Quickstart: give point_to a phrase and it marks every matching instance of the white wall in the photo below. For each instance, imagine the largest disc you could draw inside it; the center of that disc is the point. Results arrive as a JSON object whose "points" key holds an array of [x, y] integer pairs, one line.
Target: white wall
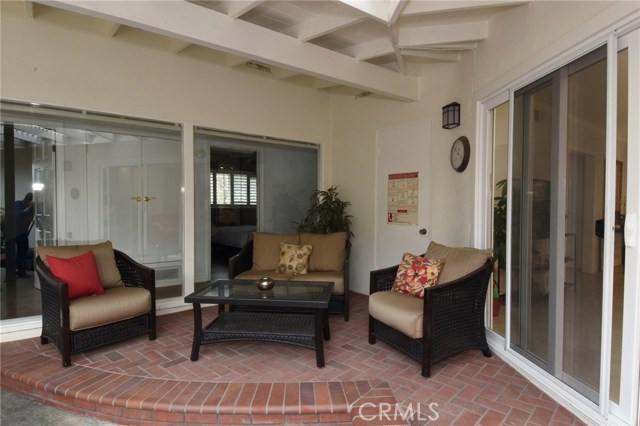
{"points": [[354, 125], [80, 67], [55, 60], [520, 39]]}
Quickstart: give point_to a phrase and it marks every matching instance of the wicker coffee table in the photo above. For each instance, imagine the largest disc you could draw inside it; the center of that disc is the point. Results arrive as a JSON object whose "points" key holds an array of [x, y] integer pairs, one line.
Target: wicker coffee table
{"points": [[291, 312]]}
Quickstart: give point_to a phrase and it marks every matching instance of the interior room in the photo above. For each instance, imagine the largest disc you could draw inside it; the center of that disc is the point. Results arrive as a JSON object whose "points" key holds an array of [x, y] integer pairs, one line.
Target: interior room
{"points": [[178, 129]]}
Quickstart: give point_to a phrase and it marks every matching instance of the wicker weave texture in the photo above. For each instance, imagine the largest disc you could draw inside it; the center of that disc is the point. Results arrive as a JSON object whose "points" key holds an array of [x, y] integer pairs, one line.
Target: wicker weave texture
{"points": [[339, 304], [262, 326], [55, 311], [453, 318]]}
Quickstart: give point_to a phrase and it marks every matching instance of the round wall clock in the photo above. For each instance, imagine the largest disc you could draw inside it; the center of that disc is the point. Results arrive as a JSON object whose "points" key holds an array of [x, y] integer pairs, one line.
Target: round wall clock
{"points": [[460, 153]]}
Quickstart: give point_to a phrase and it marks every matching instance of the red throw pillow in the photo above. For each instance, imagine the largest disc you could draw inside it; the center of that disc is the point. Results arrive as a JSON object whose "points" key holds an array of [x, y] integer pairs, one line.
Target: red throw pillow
{"points": [[80, 273], [415, 273]]}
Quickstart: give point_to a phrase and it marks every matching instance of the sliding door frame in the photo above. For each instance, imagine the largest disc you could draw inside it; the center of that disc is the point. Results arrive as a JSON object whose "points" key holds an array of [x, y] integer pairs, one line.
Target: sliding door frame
{"points": [[605, 411]]}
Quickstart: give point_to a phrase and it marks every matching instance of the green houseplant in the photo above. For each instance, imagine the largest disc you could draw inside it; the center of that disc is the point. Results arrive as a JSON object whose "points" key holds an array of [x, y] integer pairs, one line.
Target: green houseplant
{"points": [[499, 240], [326, 214]]}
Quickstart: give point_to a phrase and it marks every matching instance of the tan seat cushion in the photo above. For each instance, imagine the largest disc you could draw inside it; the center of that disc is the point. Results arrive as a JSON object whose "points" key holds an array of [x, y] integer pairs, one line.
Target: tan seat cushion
{"points": [[402, 312], [329, 250], [254, 275], [266, 249], [337, 278], [116, 304], [460, 261], [105, 260]]}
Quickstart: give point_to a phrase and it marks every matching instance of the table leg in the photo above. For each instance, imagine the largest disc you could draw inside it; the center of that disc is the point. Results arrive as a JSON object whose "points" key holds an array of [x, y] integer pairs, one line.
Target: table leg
{"points": [[327, 331], [319, 337], [197, 331]]}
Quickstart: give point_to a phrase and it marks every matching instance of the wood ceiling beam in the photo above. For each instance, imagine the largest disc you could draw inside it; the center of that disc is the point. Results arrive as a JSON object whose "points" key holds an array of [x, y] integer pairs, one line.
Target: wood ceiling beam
{"points": [[237, 8], [205, 27], [111, 28], [325, 24], [443, 34], [385, 11], [426, 7], [371, 49], [432, 55]]}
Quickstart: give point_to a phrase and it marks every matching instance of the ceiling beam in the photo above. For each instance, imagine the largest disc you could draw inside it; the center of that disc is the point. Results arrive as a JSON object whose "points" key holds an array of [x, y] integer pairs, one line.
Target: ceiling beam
{"points": [[111, 28], [237, 8], [370, 49], [28, 9], [205, 27], [386, 11], [325, 24], [426, 7], [432, 55], [443, 34]]}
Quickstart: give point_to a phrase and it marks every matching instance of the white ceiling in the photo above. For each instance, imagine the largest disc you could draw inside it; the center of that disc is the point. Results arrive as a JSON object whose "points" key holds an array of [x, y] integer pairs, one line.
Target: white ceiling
{"points": [[370, 46]]}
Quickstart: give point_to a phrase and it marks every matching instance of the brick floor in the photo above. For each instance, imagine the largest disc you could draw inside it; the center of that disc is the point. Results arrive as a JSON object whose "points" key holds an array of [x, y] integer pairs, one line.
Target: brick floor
{"points": [[154, 382]]}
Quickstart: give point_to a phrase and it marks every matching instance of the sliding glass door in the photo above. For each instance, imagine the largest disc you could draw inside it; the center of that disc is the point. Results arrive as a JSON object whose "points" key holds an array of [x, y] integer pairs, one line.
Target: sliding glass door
{"points": [[573, 184]]}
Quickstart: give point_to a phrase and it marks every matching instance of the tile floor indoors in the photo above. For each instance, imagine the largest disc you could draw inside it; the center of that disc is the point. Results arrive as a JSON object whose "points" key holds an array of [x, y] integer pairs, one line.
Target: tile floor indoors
{"points": [[155, 383]]}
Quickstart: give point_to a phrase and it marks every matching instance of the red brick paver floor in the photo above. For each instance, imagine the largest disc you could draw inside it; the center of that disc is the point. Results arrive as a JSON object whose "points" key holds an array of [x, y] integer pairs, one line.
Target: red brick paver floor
{"points": [[154, 382]]}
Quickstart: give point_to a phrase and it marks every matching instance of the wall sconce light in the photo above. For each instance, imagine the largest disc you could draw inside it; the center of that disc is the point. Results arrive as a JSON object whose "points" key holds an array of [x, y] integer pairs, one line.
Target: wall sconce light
{"points": [[37, 186], [451, 115]]}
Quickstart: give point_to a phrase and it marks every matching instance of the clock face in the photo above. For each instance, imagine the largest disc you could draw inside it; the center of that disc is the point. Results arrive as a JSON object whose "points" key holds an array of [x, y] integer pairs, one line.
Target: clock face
{"points": [[460, 152]]}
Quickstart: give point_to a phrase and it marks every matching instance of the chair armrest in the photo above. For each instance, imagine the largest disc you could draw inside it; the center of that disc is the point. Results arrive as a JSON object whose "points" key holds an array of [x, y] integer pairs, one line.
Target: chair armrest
{"points": [[243, 261], [135, 274], [54, 294], [458, 303], [382, 279]]}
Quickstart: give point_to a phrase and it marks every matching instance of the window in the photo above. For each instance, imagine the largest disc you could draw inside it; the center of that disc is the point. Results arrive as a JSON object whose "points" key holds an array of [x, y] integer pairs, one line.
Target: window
{"points": [[243, 191]]}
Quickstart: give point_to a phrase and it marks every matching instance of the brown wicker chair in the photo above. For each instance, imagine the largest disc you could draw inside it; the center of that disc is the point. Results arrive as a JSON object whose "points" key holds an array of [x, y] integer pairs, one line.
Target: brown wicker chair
{"points": [[452, 316], [56, 314]]}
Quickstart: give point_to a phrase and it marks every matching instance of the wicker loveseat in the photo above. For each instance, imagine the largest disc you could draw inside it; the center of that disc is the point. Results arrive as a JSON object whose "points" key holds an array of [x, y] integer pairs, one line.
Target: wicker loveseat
{"points": [[329, 261], [126, 309], [450, 318]]}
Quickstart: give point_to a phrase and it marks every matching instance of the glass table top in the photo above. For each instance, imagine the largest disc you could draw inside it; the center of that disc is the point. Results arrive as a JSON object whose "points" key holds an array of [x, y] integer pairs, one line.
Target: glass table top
{"points": [[284, 293]]}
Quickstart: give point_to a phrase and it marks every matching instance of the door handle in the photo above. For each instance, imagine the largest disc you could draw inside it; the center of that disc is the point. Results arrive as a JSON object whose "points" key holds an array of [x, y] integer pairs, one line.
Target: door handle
{"points": [[423, 231], [148, 198], [137, 198]]}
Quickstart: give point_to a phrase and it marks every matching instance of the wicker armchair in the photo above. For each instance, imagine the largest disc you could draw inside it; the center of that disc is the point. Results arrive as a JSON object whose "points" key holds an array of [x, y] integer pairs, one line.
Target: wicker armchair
{"points": [[449, 320], [58, 319]]}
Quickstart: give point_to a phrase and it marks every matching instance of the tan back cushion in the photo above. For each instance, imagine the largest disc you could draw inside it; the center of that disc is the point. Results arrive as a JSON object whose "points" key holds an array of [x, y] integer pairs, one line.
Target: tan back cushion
{"points": [[328, 250], [105, 260], [266, 249], [459, 260]]}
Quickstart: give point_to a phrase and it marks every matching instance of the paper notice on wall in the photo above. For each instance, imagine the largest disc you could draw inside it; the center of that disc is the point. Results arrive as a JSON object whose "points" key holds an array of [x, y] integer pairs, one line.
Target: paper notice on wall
{"points": [[402, 198]]}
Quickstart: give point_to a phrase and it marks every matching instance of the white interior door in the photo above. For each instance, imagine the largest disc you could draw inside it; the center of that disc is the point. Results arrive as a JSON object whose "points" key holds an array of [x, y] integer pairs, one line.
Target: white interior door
{"points": [[401, 152]]}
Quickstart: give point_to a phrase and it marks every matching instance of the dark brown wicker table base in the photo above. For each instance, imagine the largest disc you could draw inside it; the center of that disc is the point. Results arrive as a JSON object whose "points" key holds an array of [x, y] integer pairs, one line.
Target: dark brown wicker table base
{"points": [[293, 312], [294, 329]]}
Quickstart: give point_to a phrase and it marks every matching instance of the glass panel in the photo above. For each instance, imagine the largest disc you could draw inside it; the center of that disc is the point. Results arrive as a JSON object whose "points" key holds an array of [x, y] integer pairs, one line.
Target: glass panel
{"points": [[500, 131], [586, 143], [258, 185], [531, 233], [621, 211], [28, 217]]}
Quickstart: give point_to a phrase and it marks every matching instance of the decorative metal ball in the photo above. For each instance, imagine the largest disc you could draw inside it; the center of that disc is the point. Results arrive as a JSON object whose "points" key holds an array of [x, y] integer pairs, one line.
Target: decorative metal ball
{"points": [[264, 283]]}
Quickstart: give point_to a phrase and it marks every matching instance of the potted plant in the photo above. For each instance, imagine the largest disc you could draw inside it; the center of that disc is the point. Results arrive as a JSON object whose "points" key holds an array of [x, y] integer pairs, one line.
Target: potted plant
{"points": [[499, 241], [327, 214]]}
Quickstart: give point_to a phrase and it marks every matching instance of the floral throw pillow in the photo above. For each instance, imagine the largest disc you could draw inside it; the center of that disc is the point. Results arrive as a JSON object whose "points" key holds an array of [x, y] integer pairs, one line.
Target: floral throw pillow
{"points": [[416, 273], [294, 259]]}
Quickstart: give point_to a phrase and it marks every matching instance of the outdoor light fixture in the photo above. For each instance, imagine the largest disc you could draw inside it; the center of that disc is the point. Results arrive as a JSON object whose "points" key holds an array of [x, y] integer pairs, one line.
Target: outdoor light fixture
{"points": [[451, 115]]}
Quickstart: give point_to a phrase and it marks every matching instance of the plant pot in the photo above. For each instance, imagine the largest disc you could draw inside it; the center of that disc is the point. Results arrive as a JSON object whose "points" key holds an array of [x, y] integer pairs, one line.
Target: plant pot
{"points": [[496, 306]]}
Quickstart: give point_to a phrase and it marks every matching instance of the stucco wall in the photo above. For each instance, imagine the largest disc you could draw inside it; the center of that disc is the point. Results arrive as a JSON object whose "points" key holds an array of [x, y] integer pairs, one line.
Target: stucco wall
{"points": [[520, 39], [57, 60]]}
